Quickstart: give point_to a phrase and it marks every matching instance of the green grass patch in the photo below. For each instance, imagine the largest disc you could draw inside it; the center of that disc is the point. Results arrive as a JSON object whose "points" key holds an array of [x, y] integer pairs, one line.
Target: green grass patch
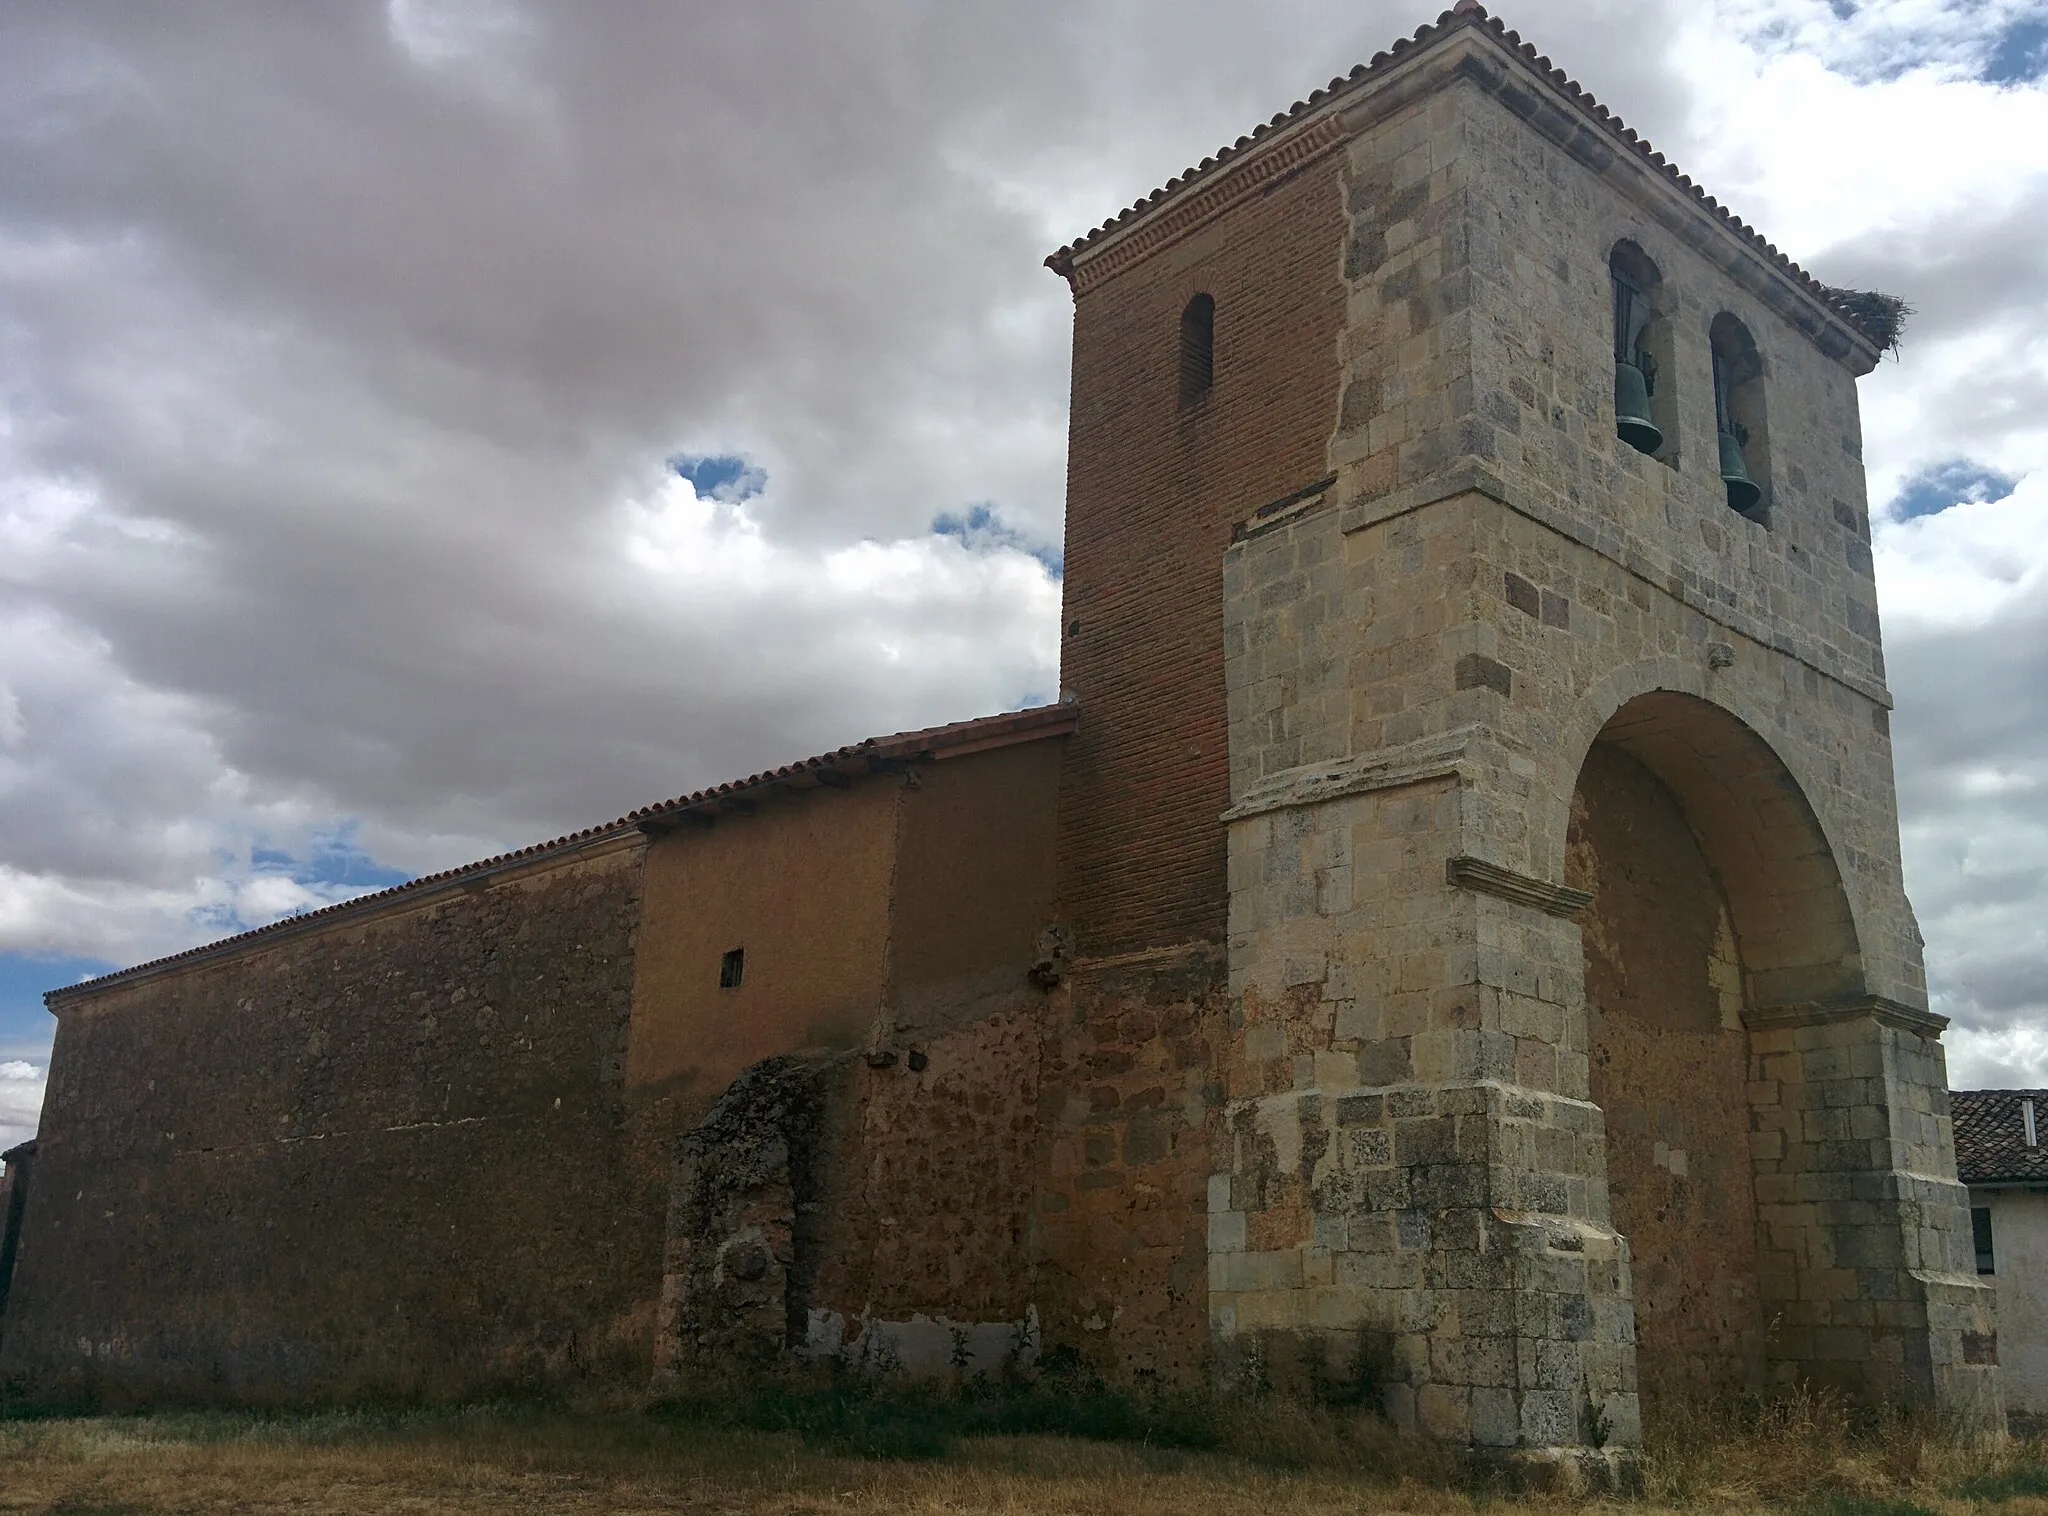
{"points": [[870, 1419], [2006, 1484]]}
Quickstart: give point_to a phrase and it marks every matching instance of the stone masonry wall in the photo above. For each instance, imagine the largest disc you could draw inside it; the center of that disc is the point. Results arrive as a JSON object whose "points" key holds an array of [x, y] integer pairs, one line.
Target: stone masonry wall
{"points": [[1866, 1238], [1128, 1095], [1491, 579], [384, 1157], [1128, 1114], [1542, 225], [1671, 1076]]}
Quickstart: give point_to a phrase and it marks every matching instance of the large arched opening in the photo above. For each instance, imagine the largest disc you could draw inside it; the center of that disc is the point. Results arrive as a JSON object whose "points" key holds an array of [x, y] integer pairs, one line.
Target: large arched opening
{"points": [[1715, 895]]}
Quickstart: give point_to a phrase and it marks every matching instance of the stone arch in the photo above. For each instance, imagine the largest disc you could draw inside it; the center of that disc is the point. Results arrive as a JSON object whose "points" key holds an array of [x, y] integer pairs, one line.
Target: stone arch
{"points": [[1715, 896], [1746, 801]]}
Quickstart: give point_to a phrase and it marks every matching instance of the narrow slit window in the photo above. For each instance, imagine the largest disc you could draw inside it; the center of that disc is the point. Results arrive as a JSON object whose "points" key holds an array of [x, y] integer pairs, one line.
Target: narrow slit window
{"points": [[1980, 1232], [732, 968], [1197, 349]]}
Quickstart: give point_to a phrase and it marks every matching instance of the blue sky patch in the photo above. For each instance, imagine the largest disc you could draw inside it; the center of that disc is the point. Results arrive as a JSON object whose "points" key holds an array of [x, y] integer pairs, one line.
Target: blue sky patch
{"points": [[1935, 489], [334, 865], [725, 477], [982, 529], [25, 1027], [2020, 55], [335, 859]]}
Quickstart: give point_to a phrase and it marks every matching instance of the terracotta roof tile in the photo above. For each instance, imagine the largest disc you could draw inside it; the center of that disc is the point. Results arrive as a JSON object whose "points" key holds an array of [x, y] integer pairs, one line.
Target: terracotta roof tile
{"points": [[952, 740], [1991, 1135], [1469, 13]]}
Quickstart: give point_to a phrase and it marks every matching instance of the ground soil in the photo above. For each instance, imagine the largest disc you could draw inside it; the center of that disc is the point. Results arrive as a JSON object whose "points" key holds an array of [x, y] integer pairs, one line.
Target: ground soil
{"points": [[493, 1460]]}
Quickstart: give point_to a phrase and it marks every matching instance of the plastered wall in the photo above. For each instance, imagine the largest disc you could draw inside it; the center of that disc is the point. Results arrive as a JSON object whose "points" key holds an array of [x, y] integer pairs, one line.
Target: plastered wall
{"points": [[2019, 1230], [804, 885]]}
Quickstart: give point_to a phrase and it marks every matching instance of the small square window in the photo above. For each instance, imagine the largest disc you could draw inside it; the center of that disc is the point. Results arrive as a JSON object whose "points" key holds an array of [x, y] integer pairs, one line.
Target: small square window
{"points": [[731, 968]]}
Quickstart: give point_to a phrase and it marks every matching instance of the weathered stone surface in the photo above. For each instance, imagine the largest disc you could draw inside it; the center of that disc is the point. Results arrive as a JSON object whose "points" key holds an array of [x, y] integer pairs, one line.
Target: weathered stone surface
{"points": [[750, 1191], [385, 1159], [1588, 1124], [1478, 946]]}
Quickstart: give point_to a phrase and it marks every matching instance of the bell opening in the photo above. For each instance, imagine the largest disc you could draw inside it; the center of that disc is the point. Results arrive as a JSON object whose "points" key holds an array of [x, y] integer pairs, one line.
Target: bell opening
{"points": [[1739, 417]]}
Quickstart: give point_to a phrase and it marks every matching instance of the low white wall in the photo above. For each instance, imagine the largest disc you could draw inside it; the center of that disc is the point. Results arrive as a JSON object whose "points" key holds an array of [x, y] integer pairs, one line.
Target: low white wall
{"points": [[2019, 1240]]}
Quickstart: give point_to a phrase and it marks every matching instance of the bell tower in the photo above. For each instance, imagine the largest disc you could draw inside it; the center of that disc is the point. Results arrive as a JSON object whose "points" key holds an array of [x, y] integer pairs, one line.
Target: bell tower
{"points": [[1532, 905]]}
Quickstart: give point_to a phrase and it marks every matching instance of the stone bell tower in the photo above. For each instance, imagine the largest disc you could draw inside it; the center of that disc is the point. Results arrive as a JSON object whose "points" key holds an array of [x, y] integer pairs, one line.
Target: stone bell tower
{"points": [[1529, 803]]}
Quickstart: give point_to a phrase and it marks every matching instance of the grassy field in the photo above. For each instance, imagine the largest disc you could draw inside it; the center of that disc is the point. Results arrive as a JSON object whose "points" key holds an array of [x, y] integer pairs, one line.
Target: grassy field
{"points": [[907, 1456]]}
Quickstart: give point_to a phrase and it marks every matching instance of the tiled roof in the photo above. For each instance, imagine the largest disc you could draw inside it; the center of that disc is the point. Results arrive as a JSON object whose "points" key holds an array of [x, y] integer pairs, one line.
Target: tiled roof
{"points": [[1469, 13], [1991, 1135], [835, 769]]}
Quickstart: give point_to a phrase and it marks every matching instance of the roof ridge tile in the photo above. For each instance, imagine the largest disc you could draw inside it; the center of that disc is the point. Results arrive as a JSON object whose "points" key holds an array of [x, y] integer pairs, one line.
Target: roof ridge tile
{"points": [[1471, 13]]}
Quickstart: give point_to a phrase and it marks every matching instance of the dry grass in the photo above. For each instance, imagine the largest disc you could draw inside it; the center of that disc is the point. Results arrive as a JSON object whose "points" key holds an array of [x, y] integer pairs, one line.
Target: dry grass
{"points": [[1805, 1456]]}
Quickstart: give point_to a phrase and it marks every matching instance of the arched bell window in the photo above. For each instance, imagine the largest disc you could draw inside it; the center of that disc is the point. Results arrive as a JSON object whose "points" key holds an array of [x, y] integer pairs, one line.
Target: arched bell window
{"points": [[1645, 412], [1197, 349], [1741, 430]]}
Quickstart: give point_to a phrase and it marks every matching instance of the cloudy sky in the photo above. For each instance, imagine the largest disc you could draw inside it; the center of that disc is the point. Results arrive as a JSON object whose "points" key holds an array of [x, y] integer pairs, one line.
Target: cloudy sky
{"points": [[429, 426]]}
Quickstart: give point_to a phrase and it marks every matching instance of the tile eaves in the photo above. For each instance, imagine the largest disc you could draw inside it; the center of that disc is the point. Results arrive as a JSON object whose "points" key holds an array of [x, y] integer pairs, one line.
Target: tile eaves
{"points": [[1469, 13], [1990, 1132], [870, 755]]}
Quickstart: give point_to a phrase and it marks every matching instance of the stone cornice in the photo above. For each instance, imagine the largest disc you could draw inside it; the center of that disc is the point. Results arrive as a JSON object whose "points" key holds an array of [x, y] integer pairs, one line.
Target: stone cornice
{"points": [[1281, 157], [1483, 878], [1438, 757], [1892, 1013]]}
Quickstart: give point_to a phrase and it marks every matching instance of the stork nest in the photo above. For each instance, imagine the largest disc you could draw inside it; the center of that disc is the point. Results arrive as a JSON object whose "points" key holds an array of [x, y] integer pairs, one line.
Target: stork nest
{"points": [[1881, 317]]}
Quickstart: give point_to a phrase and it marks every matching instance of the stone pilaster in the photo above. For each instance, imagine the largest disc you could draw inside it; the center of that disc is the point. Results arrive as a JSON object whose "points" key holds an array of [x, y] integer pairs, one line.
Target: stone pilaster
{"points": [[1868, 1267]]}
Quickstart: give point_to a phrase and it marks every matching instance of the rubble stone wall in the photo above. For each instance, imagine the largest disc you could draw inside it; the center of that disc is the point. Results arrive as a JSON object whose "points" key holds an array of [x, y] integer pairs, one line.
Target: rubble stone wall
{"points": [[384, 1157]]}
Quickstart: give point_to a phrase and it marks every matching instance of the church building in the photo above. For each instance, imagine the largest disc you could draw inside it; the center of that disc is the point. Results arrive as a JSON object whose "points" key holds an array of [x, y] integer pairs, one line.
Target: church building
{"points": [[1453, 915]]}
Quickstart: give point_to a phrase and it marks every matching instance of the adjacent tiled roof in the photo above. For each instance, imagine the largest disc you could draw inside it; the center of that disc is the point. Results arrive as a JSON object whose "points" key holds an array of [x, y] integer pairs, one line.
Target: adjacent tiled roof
{"points": [[836, 767], [1471, 13], [1991, 1135]]}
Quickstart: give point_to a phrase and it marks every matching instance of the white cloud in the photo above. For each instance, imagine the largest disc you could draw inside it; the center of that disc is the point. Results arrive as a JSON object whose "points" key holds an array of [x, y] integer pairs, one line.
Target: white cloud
{"points": [[346, 347], [21, 1100]]}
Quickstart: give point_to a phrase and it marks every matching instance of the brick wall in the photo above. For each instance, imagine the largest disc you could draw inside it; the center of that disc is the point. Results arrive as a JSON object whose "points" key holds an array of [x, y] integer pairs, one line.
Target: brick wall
{"points": [[1153, 490]]}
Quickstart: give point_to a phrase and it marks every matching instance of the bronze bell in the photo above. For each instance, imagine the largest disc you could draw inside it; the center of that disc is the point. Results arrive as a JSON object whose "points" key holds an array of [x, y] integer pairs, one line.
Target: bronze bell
{"points": [[1632, 421], [1742, 490]]}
